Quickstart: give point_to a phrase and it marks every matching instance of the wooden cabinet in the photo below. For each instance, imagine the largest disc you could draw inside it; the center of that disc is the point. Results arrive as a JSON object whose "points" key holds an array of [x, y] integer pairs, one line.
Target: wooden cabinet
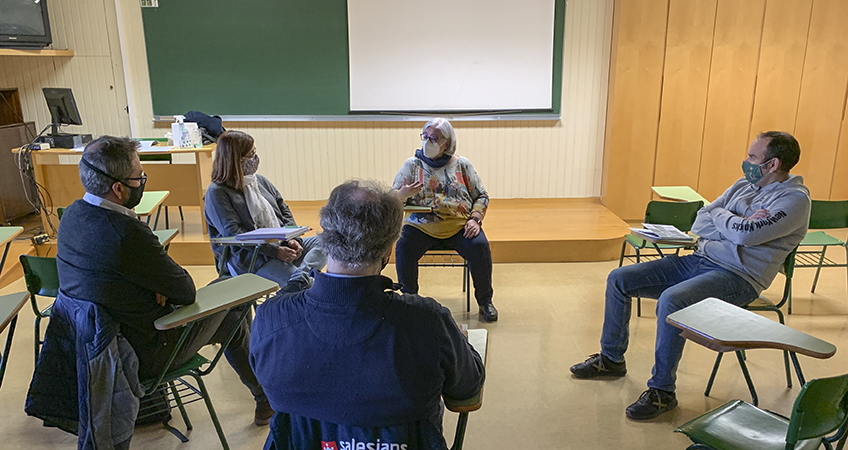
{"points": [[13, 196]]}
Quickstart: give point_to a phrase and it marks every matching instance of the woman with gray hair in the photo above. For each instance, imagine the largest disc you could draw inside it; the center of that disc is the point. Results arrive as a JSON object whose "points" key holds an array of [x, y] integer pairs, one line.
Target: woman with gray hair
{"points": [[448, 184]]}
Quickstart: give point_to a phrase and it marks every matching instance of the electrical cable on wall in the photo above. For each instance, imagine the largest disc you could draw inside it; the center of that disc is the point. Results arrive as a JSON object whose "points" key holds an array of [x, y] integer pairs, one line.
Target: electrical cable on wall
{"points": [[42, 201]]}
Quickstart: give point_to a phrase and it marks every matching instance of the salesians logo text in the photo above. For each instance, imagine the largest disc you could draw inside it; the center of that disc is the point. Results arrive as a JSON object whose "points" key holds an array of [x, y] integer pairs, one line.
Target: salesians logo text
{"points": [[353, 444]]}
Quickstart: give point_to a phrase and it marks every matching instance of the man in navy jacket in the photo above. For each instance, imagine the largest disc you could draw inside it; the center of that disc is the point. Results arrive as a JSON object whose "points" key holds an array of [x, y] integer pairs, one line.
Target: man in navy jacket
{"points": [[107, 256], [349, 360]]}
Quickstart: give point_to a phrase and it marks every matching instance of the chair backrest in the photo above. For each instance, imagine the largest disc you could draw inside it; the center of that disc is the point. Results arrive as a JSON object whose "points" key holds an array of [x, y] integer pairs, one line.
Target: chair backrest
{"points": [[788, 269], [828, 214], [40, 275], [60, 211], [680, 214], [820, 409], [293, 431]]}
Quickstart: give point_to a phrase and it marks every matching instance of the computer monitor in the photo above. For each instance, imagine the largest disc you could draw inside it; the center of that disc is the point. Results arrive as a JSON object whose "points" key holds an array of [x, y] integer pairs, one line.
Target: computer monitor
{"points": [[63, 108]]}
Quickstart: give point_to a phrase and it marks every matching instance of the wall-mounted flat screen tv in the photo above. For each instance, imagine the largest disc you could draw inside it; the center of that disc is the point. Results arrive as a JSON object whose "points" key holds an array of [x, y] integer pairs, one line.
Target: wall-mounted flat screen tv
{"points": [[24, 24]]}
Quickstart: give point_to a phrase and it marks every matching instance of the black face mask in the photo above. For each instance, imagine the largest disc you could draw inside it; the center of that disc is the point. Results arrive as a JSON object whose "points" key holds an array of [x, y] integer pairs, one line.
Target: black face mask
{"points": [[136, 192], [135, 196]]}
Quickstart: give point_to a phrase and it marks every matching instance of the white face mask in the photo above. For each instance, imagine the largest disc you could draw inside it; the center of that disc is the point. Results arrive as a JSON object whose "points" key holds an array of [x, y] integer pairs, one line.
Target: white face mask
{"points": [[431, 150]]}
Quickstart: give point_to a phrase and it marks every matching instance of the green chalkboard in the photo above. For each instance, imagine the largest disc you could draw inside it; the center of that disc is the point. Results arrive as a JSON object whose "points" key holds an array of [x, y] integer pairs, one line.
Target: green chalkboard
{"points": [[261, 57]]}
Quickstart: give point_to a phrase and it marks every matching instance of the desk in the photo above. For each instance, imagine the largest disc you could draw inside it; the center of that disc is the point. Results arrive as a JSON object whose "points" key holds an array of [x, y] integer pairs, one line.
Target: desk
{"points": [[6, 236], [166, 236], [151, 201], [479, 339], [187, 183], [679, 193], [10, 305], [217, 297], [723, 327]]}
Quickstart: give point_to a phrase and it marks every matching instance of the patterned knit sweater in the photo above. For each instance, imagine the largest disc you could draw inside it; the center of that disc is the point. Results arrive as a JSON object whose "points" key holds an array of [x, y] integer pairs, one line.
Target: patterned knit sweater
{"points": [[453, 192]]}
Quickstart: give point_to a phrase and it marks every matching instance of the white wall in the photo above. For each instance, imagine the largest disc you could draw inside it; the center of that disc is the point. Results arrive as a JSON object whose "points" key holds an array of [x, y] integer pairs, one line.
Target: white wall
{"points": [[306, 160]]}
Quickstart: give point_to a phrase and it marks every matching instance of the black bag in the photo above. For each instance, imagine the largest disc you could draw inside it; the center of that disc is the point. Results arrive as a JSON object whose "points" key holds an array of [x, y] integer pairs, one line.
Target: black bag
{"points": [[210, 126]]}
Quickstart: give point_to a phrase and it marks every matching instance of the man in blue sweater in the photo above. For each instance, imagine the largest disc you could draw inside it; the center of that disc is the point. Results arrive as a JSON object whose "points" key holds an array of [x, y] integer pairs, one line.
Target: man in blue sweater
{"points": [[744, 238], [349, 360], [107, 256]]}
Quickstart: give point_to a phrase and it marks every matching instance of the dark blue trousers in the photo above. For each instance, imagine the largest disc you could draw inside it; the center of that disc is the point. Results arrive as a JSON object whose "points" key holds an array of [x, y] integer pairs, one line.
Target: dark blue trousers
{"points": [[413, 243]]}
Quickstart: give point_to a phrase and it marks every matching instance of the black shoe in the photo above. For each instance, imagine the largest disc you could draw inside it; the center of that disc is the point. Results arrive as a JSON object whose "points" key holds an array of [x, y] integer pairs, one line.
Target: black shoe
{"points": [[599, 366], [652, 403], [262, 414], [489, 313]]}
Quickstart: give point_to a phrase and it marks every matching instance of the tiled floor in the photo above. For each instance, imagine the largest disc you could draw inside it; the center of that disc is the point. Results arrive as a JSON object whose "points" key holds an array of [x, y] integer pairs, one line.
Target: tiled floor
{"points": [[550, 319]]}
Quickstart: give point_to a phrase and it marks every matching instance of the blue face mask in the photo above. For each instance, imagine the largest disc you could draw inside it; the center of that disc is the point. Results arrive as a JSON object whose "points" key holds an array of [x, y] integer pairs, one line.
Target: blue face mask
{"points": [[753, 172]]}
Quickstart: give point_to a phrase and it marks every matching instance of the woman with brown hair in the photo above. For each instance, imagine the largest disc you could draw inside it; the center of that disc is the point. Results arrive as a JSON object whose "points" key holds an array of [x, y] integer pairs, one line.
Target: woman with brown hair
{"points": [[240, 200]]}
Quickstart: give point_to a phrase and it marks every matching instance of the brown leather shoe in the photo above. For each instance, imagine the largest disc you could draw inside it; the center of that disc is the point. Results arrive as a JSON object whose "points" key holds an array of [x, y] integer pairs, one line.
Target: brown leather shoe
{"points": [[263, 413]]}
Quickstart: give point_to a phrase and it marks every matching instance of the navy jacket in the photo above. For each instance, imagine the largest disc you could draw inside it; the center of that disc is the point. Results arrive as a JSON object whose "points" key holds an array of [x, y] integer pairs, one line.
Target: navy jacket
{"points": [[349, 360], [114, 260], [86, 380]]}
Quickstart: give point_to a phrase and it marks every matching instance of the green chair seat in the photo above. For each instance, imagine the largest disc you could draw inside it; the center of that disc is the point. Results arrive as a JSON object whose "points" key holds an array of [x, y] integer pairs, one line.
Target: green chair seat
{"points": [[186, 369], [818, 417], [737, 425], [820, 238]]}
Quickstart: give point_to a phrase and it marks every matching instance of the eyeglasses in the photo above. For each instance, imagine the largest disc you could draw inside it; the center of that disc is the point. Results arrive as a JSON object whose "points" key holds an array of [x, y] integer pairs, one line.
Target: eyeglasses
{"points": [[142, 179], [431, 137]]}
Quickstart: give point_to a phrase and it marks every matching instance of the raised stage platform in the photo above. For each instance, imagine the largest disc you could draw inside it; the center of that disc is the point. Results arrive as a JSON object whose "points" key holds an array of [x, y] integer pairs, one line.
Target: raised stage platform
{"points": [[519, 230]]}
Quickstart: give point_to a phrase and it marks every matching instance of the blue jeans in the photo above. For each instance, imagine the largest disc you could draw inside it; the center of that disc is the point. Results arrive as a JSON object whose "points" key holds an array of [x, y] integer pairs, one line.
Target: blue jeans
{"points": [[413, 243], [282, 272], [676, 282]]}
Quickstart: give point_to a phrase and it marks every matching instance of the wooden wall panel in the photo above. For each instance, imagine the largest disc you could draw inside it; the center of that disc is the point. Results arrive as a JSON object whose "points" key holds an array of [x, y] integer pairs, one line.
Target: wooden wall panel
{"points": [[689, 42], [782, 52], [822, 95], [731, 94], [634, 109]]}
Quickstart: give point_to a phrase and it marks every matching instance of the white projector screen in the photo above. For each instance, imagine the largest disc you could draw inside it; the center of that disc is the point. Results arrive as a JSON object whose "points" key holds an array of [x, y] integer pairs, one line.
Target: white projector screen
{"points": [[450, 55]]}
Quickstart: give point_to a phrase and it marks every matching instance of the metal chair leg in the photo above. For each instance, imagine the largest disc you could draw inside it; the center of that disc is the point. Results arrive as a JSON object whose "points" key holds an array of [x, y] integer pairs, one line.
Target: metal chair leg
{"points": [[797, 368], [621, 258], [466, 286], [5, 356], [713, 375], [212, 413], [37, 337], [459, 437], [755, 400], [818, 269], [180, 405], [786, 369]]}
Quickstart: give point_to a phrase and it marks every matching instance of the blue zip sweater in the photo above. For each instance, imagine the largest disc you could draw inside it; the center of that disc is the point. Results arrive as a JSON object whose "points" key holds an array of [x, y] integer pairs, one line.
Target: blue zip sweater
{"points": [[349, 353]]}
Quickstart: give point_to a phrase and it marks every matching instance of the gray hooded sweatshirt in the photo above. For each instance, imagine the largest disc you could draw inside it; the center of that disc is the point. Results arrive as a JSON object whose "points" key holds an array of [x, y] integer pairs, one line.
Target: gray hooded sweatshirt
{"points": [[754, 249]]}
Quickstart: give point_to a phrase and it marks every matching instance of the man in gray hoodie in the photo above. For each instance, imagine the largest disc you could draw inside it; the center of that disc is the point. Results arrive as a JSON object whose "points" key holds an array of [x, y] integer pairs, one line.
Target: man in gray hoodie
{"points": [[744, 237]]}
